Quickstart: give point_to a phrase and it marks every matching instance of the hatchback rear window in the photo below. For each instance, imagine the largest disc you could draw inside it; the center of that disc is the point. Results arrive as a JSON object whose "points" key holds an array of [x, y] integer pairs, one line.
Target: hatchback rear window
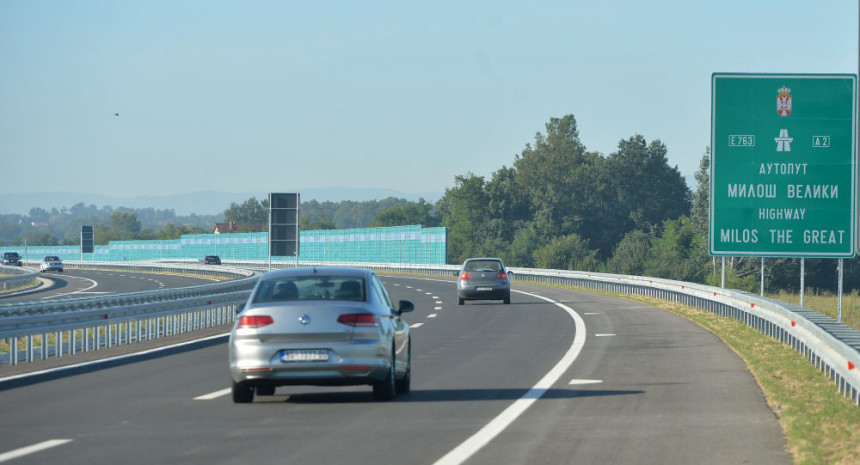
{"points": [[311, 288], [484, 265]]}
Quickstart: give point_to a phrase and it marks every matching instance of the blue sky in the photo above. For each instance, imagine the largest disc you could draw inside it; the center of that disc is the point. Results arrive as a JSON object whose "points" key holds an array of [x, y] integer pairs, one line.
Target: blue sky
{"points": [[282, 96]]}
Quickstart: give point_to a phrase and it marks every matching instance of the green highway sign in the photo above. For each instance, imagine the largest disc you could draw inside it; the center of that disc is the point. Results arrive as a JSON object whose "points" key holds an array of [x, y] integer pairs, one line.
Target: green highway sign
{"points": [[783, 165]]}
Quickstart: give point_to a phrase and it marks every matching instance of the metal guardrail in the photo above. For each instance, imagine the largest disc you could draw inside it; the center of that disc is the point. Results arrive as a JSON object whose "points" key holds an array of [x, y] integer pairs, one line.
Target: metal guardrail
{"points": [[68, 326], [831, 346], [19, 277]]}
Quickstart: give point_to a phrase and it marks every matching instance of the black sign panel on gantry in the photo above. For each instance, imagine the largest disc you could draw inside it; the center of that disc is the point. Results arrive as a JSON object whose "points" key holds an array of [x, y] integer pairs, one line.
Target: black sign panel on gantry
{"points": [[283, 225], [87, 239]]}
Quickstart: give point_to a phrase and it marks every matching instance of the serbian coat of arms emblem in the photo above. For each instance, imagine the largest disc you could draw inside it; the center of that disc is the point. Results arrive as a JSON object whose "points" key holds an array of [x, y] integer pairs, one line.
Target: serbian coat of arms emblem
{"points": [[783, 101]]}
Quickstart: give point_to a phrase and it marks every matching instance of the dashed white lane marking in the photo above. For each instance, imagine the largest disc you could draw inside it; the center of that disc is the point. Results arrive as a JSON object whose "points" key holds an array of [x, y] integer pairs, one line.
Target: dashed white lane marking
{"points": [[214, 395], [592, 313], [492, 429], [437, 308], [586, 381], [604, 335], [416, 325], [438, 301], [18, 453], [432, 315]]}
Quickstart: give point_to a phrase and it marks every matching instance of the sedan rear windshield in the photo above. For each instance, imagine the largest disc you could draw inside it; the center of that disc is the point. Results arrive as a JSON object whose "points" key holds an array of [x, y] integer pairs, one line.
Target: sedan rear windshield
{"points": [[311, 288], [52, 259]]}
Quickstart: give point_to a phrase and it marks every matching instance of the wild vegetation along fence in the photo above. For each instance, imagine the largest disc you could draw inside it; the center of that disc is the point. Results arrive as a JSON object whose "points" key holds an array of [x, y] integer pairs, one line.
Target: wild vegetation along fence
{"points": [[829, 345]]}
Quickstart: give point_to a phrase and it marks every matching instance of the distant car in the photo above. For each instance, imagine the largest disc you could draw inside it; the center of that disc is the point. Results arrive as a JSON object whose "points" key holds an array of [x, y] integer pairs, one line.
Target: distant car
{"points": [[211, 260], [51, 263], [12, 259], [483, 279], [326, 326]]}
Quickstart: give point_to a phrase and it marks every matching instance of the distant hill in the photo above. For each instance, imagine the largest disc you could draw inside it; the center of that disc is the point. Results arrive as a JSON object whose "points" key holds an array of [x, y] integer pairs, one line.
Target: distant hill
{"points": [[201, 203]]}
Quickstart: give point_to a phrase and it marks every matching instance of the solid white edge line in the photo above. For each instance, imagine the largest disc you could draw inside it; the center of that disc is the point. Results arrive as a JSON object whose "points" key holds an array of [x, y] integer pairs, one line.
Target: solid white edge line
{"points": [[112, 359], [17, 453], [492, 429], [214, 395]]}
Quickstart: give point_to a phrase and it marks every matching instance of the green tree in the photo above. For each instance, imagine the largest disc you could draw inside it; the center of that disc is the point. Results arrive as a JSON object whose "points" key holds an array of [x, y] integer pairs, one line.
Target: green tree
{"points": [[676, 252], [554, 176], [569, 252], [463, 210], [320, 223], [124, 224], [701, 205], [248, 212], [409, 213], [648, 189], [632, 254]]}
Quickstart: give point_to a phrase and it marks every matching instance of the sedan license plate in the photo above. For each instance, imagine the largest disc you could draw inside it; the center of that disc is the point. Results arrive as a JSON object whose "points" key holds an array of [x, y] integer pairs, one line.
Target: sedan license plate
{"points": [[304, 355], [484, 288]]}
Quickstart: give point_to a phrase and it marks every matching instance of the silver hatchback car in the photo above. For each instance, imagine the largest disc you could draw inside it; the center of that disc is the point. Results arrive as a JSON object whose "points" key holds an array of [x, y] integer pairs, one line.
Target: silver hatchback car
{"points": [[483, 279], [331, 326]]}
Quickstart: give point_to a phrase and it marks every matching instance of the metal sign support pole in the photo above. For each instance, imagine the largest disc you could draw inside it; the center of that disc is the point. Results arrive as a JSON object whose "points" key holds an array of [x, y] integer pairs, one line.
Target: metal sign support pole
{"points": [[723, 273], [762, 277], [839, 305], [802, 276]]}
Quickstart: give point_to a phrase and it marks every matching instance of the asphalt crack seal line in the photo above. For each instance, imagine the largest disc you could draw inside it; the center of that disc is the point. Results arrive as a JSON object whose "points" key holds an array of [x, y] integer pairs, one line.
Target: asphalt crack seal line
{"points": [[492, 429]]}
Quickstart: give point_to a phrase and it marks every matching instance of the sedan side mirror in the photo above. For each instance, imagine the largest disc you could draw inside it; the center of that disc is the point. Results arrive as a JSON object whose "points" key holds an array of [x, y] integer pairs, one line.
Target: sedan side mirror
{"points": [[456, 273], [239, 308], [405, 306]]}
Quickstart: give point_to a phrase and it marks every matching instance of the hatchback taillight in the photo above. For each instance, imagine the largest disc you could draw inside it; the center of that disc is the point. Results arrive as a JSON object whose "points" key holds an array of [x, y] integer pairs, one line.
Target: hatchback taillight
{"points": [[502, 275], [465, 275], [366, 320], [255, 321]]}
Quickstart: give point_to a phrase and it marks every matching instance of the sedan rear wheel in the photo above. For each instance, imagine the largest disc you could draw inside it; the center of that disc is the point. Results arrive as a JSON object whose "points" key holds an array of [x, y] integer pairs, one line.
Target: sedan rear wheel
{"points": [[385, 390], [243, 393], [403, 386]]}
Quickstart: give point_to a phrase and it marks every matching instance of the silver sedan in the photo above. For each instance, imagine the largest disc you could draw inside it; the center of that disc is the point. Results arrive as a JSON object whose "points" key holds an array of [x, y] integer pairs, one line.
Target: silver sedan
{"points": [[330, 326]]}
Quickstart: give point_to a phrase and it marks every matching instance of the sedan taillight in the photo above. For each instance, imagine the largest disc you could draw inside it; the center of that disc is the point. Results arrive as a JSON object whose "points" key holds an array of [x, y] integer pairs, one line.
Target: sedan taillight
{"points": [[365, 320], [255, 321], [465, 275], [502, 275]]}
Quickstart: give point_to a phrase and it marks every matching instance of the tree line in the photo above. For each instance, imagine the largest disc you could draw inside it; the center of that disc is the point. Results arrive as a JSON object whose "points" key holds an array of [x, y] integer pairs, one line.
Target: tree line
{"points": [[560, 206], [557, 206]]}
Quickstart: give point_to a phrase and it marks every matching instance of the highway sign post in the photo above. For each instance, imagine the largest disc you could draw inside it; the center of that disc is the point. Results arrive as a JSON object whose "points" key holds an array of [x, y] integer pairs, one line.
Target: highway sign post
{"points": [[283, 226], [87, 240], [783, 165]]}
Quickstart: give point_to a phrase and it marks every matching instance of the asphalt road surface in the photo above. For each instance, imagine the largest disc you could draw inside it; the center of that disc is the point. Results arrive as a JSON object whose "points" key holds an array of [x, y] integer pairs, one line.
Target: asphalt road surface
{"points": [[556, 377], [74, 283]]}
